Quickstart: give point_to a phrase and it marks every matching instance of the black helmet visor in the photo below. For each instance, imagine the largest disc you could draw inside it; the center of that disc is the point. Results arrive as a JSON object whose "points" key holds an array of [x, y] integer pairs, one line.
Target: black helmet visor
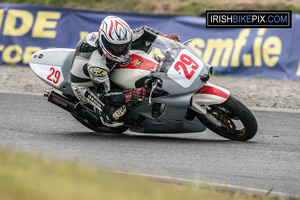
{"points": [[116, 49]]}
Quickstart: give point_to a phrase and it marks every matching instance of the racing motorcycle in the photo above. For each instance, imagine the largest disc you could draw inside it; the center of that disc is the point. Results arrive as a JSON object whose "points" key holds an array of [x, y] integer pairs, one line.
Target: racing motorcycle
{"points": [[181, 99]]}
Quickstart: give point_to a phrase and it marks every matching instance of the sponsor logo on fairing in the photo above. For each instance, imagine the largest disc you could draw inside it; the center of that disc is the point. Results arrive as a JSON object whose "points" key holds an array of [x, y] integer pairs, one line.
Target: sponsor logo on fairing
{"points": [[138, 63]]}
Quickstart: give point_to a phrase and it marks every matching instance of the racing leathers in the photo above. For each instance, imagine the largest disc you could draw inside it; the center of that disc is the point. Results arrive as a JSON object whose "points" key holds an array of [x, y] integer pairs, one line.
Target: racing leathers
{"points": [[90, 70]]}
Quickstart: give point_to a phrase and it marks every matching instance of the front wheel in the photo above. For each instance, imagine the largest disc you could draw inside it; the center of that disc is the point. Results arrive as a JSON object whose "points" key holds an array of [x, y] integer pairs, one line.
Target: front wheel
{"points": [[231, 119]]}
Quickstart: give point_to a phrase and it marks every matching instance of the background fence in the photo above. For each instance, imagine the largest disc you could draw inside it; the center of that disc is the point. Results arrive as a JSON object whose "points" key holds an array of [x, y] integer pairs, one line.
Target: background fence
{"points": [[263, 53]]}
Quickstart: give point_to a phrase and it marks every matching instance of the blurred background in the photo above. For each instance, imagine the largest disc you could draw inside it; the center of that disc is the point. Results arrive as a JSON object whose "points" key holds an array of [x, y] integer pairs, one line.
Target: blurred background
{"points": [[28, 26], [176, 7]]}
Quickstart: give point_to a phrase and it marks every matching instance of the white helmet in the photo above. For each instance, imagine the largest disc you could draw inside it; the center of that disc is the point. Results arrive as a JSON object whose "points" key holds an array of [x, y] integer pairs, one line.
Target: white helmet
{"points": [[115, 38]]}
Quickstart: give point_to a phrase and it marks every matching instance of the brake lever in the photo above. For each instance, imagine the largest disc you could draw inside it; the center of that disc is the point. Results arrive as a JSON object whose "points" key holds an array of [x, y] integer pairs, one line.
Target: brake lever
{"points": [[154, 86]]}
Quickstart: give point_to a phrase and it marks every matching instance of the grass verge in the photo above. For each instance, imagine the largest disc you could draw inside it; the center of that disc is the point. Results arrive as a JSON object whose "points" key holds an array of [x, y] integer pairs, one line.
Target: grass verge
{"points": [[24, 177], [176, 7]]}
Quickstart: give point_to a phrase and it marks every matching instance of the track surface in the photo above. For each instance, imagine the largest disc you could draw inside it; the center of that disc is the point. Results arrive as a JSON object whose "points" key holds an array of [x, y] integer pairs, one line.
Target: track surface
{"points": [[272, 158]]}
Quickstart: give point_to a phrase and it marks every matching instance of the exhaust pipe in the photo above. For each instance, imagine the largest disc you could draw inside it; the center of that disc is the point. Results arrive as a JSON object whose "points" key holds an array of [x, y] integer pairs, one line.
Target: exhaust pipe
{"points": [[76, 110], [60, 101]]}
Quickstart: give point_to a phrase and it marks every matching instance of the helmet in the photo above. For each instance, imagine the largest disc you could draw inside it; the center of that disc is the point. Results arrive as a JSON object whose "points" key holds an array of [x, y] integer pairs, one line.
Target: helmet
{"points": [[115, 38]]}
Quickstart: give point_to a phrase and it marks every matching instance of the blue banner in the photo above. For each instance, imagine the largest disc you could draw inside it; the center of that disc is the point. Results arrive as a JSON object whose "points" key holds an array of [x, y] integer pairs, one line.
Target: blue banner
{"points": [[249, 52]]}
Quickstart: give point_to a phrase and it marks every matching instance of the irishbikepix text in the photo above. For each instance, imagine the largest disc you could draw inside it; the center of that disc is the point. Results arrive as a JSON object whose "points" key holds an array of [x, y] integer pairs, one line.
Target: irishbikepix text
{"points": [[248, 19]]}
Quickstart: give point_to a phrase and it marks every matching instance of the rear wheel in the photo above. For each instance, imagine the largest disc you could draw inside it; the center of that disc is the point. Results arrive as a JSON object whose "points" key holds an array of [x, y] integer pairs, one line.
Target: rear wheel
{"points": [[231, 119]]}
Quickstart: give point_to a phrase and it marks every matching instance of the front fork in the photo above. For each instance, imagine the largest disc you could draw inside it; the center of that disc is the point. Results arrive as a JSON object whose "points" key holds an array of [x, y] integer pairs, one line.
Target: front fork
{"points": [[209, 94]]}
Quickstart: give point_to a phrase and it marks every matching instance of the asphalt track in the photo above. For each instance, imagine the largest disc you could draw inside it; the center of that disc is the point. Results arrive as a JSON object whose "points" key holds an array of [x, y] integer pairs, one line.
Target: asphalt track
{"points": [[270, 160]]}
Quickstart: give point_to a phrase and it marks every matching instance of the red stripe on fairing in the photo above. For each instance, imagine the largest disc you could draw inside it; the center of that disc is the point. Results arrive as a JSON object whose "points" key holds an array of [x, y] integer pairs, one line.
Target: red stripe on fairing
{"points": [[146, 64], [213, 91]]}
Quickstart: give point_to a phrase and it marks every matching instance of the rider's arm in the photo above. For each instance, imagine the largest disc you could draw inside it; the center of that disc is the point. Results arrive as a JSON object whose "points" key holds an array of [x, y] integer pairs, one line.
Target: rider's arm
{"points": [[99, 73], [145, 33], [150, 34], [144, 36]]}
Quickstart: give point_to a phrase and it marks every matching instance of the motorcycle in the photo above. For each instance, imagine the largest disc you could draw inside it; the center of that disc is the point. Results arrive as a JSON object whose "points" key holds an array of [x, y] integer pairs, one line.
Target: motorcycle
{"points": [[181, 98]]}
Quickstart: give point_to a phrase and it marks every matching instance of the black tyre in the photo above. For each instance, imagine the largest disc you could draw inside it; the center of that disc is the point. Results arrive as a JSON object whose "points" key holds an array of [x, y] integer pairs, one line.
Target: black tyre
{"points": [[233, 120]]}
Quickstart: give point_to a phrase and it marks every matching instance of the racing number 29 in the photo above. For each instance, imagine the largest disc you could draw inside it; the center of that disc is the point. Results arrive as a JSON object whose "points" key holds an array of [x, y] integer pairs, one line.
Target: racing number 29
{"points": [[54, 76], [185, 61]]}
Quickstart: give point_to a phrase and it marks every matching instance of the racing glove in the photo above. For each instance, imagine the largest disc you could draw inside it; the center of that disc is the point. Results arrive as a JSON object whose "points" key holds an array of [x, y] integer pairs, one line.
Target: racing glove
{"points": [[135, 94], [173, 36]]}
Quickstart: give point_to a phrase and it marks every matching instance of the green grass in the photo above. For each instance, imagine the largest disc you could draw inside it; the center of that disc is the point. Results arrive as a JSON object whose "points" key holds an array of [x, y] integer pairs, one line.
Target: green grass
{"points": [[177, 7], [24, 177]]}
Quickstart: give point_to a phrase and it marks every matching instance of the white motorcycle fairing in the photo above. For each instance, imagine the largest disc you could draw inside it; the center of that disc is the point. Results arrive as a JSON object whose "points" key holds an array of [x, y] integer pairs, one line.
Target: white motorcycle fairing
{"points": [[53, 67], [181, 100], [209, 94], [138, 65]]}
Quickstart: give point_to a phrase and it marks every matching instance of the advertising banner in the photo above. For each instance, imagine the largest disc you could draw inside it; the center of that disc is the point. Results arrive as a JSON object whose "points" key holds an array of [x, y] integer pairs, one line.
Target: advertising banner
{"points": [[246, 52]]}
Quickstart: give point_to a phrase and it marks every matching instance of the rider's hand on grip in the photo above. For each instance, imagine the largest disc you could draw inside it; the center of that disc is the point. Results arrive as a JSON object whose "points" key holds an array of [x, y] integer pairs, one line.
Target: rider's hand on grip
{"points": [[175, 37], [137, 94]]}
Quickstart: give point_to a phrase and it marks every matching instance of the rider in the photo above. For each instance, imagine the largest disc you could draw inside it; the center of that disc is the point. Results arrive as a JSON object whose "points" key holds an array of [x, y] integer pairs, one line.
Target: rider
{"points": [[96, 56]]}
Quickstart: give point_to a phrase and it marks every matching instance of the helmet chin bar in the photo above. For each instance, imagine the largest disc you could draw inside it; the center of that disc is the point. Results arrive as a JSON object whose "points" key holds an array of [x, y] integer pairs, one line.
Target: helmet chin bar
{"points": [[117, 59], [114, 58], [110, 55]]}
